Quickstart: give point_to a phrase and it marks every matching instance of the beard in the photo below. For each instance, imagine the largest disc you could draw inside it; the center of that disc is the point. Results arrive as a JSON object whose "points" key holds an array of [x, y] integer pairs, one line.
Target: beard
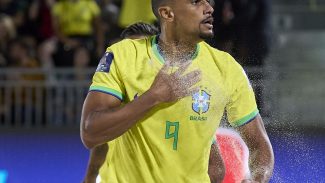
{"points": [[206, 35], [205, 32]]}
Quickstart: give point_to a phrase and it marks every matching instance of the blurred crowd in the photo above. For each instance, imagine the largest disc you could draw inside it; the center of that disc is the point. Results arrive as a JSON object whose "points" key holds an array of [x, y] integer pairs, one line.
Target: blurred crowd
{"points": [[75, 33], [63, 33], [49, 34]]}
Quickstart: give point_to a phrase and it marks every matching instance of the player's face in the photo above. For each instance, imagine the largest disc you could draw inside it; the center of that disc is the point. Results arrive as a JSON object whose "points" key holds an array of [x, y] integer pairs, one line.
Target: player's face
{"points": [[194, 17]]}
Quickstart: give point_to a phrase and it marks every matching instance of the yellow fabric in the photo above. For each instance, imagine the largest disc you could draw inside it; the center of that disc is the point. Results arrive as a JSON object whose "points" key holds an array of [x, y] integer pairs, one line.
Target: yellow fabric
{"points": [[104, 168], [172, 142], [131, 14], [75, 18]]}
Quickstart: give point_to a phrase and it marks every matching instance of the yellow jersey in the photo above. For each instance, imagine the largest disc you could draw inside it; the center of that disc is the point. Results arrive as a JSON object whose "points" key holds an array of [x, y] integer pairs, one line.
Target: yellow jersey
{"points": [[171, 143], [76, 18], [130, 14]]}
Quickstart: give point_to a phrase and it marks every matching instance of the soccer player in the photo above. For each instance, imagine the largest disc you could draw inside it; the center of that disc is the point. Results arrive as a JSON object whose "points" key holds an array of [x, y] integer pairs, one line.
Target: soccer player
{"points": [[98, 154], [159, 100]]}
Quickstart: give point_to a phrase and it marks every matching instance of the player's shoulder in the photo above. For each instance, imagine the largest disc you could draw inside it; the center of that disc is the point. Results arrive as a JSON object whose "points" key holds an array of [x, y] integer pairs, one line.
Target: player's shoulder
{"points": [[126, 51], [221, 58], [129, 45]]}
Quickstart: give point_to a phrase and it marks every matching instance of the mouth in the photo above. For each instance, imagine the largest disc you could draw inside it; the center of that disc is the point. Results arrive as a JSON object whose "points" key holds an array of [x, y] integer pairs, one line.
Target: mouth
{"points": [[208, 22]]}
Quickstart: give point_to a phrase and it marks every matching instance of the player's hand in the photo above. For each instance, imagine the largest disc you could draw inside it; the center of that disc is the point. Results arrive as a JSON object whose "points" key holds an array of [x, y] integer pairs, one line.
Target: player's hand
{"points": [[169, 87], [249, 181], [89, 180]]}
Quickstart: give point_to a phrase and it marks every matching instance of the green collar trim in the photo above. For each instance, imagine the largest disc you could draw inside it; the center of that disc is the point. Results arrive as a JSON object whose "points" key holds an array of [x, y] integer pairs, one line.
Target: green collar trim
{"points": [[158, 55], [155, 50]]}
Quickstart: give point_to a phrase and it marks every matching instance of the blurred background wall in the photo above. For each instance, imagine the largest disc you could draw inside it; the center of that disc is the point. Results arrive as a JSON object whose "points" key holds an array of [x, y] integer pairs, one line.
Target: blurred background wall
{"points": [[298, 55]]}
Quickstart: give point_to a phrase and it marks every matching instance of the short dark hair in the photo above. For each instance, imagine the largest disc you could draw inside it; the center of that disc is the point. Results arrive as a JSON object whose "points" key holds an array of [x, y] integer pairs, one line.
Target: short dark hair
{"points": [[139, 29], [155, 5]]}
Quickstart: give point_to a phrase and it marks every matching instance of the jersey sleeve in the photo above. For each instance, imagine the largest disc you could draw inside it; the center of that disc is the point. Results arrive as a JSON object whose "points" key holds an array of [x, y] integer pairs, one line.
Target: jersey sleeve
{"points": [[241, 108], [107, 78]]}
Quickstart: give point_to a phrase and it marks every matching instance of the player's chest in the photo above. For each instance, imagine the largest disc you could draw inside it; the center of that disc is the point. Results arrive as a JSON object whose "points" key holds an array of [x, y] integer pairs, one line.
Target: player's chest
{"points": [[212, 91]]}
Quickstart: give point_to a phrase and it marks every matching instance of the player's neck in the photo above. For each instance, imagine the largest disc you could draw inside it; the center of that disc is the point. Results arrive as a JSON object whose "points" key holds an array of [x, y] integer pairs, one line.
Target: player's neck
{"points": [[176, 49]]}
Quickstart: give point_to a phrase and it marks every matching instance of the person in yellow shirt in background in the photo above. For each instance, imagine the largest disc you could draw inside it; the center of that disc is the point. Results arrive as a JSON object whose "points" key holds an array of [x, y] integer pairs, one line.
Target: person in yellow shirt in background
{"points": [[76, 23], [136, 11], [119, 14]]}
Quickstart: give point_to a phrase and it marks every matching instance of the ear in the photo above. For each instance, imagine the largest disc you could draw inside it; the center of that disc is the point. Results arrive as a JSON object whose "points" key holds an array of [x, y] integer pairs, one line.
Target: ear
{"points": [[166, 13]]}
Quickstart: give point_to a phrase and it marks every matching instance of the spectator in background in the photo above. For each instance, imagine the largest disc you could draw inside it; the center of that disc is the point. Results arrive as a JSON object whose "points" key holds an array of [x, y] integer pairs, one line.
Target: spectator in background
{"points": [[242, 28], [41, 20], [40, 15], [130, 15], [24, 96], [81, 60], [119, 14], [19, 12], [7, 32], [76, 23], [16, 10], [20, 56], [243, 25], [110, 13]]}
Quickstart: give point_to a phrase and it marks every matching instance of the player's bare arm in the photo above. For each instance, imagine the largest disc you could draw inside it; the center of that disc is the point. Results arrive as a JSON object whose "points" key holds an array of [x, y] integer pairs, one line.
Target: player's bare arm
{"points": [[216, 169], [261, 160], [96, 160], [101, 121]]}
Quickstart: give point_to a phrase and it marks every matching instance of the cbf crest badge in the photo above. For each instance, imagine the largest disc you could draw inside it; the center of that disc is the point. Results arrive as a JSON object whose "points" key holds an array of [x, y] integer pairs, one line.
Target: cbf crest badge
{"points": [[105, 62], [201, 102]]}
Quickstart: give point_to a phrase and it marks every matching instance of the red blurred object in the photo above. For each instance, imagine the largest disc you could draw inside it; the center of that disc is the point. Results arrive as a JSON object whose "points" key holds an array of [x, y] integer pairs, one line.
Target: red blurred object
{"points": [[235, 155]]}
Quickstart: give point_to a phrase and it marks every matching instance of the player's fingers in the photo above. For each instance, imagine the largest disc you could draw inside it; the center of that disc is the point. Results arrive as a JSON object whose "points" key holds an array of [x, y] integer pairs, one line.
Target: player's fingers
{"points": [[182, 68], [195, 73], [192, 91], [191, 78], [166, 67]]}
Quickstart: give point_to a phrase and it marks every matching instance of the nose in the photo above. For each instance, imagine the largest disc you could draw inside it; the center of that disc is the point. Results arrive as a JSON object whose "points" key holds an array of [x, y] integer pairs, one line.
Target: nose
{"points": [[209, 9]]}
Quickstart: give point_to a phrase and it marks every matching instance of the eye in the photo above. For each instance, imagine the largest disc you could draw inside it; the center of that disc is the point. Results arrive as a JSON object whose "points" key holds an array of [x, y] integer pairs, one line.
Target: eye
{"points": [[194, 2]]}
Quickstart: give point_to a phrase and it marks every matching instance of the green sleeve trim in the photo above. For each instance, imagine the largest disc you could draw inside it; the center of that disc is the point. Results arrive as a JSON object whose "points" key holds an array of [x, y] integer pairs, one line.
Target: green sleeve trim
{"points": [[245, 119], [110, 91], [214, 141]]}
